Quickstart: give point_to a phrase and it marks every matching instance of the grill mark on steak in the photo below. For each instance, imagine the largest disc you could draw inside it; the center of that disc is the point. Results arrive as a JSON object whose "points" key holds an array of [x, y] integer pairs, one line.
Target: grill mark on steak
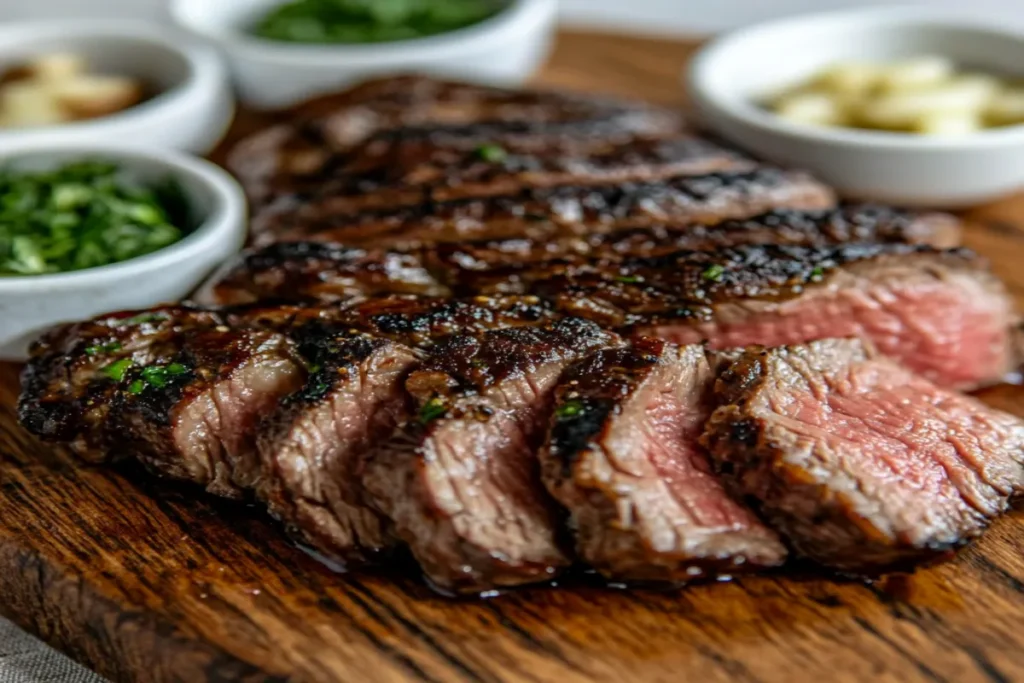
{"points": [[864, 466], [313, 271], [540, 213], [460, 481], [623, 457]]}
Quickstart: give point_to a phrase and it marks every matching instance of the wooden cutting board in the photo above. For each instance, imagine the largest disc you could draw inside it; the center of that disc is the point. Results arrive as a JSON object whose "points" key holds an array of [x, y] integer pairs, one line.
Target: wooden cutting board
{"points": [[149, 583]]}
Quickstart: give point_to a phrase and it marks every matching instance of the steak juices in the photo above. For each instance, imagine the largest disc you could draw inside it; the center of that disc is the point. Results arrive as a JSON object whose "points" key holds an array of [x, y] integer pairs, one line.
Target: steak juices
{"points": [[564, 387]]}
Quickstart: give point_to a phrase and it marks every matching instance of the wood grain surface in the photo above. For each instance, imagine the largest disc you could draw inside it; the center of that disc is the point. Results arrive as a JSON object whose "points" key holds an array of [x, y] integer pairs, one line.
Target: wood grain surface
{"points": [[149, 583]]}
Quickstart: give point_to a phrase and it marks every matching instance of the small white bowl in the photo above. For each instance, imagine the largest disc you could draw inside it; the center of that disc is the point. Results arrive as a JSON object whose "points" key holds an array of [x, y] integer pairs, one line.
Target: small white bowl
{"points": [[193, 106], [727, 78], [30, 304], [504, 49]]}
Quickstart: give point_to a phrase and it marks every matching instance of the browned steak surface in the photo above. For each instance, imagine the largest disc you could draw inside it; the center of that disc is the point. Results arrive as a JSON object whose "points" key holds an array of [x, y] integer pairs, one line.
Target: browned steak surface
{"points": [[545, 212], [460, 481], [393, 119], [623, 457], [864, 466], [312, 271]]}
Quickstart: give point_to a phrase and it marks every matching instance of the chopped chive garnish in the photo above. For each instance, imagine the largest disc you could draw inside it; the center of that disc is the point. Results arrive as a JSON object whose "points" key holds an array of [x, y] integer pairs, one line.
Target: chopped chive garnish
{"points": [[144, 318], [117, 370], [713, 273], [569, 409], [817, 273], [431, 410], [136, 387], [492, 154], [160, 376], [628, 279], [102, 348]]}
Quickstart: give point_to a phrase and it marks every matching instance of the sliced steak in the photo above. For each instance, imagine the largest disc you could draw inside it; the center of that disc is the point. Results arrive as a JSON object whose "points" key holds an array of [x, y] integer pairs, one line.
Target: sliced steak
{"points": [[941, 313], [69, 384], [541, 213], [311, 448], [864, 466], [192, 413], [623, 457], [461, 482]]}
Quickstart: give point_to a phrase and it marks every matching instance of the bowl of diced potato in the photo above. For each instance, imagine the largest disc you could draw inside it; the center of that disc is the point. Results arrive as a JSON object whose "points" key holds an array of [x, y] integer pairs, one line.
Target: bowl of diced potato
{"points": [[908, 105], [110, 82]]}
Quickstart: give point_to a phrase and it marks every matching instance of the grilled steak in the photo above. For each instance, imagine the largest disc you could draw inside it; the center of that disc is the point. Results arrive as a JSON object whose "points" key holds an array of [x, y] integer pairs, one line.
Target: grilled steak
{"points": [[541, 213], [864, 466], [460, 481], [312, 271], [68, 388], [397, 118], [623, 457]]}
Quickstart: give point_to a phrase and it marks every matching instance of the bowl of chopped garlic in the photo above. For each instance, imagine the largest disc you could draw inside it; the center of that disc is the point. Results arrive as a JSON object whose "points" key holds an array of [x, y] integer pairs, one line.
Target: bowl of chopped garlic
{"points": [[908, 105], [110, 81]]}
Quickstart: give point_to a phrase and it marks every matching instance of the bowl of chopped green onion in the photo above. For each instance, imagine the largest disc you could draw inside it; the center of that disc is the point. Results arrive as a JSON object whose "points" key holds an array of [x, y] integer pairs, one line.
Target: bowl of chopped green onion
{"points": [[285, 51], [86, 230]]}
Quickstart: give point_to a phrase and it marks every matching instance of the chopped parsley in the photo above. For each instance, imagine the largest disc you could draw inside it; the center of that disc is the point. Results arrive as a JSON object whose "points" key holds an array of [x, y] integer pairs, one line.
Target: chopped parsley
{"points": [[817, 273], [118, 369], [713, 273], [102, 348], [431, 410], [160, 376], [569, 409], [144, 318], [492, 154]]}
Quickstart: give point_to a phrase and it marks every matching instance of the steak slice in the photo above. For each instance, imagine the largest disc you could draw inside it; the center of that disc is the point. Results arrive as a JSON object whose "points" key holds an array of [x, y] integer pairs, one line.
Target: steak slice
{"points": [[460, 481], [68, 384], [941, 313], [192, 412], [312, 449], [623, 457], [573, 209], [862, 465]]}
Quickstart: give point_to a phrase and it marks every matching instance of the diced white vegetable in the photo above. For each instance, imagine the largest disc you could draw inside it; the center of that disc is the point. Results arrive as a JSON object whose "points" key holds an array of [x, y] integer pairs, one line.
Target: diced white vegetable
{"points": [[949, 123], [817, 108], [921, 72]]}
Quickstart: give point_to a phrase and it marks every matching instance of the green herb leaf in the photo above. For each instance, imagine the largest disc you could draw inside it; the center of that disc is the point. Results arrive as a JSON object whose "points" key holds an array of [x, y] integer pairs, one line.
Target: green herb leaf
{"points": [[569, 409], [817, 273], [628, 279], [492, 154], [144, 318], [136, 387], [102, 348], [431, 410], [160, 376], [713, 273], [118, 369]]}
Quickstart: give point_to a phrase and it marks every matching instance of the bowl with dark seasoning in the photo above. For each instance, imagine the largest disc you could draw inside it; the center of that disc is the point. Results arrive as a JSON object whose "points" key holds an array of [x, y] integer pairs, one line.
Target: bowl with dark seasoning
{"points": [[283, 52], [91, 229]]}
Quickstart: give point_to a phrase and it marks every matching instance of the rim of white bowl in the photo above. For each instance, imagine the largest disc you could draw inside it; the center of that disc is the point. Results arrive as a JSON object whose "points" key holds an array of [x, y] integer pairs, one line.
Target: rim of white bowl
{"points": [[206, 72], [696, 77], [519, 16], [226, 220]]}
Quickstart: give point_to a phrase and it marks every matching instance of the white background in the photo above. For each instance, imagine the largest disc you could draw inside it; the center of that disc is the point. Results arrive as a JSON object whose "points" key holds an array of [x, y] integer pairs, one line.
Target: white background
{"points": [[661, 16]]}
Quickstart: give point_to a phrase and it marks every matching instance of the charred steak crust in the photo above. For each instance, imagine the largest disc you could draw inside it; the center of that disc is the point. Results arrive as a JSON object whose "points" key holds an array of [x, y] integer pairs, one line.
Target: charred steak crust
{"points": [[622, 457], [541, 212], [863, 466], [460, 481]]}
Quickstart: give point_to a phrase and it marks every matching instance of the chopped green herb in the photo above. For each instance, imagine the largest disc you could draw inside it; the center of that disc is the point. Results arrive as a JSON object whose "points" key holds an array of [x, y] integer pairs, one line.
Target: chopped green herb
{"points": [[569, 409], [136, 387], [431, 410], [118, 369], [102, 348], [144, 318], [370, 21], [492, 154], [713, 273], [81, 215], [160, 376], [628, 279], [817, 273]]}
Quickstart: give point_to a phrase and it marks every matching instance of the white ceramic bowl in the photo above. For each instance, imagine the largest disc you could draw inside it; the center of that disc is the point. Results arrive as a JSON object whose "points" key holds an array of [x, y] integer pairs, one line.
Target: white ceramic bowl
{"points": [[30, 304], [727, 78], [505, 49], [195, 103]]}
